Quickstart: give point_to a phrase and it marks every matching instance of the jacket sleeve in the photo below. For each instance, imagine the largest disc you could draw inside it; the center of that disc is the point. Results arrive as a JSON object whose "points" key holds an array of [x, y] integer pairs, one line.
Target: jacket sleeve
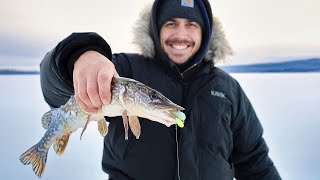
{"points": [[250, 152], [57, 66]]}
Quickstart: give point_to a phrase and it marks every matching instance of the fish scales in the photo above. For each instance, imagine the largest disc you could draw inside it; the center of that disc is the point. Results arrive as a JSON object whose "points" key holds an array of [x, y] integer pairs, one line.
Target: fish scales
{"points": [[130, 99]]}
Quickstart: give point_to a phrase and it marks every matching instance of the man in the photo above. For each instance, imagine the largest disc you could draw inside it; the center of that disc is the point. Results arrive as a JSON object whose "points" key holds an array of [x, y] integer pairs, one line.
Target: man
{"points": [[180, 42]]}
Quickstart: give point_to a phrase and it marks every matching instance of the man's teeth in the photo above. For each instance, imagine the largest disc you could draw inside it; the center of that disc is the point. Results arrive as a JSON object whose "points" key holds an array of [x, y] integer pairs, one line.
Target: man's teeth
{"points": [[179, 47]]}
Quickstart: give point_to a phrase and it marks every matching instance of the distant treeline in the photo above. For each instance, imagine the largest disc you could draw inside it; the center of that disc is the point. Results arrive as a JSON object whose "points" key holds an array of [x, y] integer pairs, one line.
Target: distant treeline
{"points": [[17, 72], [306, 65]]}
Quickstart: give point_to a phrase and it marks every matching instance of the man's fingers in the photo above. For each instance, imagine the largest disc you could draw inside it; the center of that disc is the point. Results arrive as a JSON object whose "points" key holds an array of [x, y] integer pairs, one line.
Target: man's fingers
{"points": [[92, 90], [75, 85], [82, 93], [116, 74], [93, 74], [79, 101], [104, 82], [84, 106]]}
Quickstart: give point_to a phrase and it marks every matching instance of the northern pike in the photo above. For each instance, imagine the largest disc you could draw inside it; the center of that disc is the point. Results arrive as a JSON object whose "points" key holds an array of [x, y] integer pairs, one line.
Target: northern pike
{"points": [[130, 99]]}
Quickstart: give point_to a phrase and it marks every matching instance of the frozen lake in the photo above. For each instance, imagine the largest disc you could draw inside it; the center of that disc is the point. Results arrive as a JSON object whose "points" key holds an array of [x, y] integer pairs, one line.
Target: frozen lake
{"points": [[285, 103]]}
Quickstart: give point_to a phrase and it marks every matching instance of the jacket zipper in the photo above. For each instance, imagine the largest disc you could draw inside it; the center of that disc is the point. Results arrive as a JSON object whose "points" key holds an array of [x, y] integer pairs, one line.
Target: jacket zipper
{"points": [[181, 74], [178, 159]]}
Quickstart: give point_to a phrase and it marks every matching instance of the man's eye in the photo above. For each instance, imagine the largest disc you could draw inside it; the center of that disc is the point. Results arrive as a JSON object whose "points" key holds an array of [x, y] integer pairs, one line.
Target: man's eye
{"points": [[192, 25], [170, 24]]}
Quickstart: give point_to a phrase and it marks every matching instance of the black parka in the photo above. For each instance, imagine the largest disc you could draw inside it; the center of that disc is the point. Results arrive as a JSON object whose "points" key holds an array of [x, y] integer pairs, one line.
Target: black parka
{"points": [[222, 137]]}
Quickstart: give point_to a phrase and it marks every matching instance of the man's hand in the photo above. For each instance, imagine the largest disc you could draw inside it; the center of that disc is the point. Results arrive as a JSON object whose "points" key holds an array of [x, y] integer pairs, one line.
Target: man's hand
{"points": [[92, 77]]}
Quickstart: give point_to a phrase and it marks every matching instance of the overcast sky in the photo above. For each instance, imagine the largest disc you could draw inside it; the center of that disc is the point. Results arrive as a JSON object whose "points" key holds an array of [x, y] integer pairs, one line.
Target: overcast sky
{"points": [[255, 28]]}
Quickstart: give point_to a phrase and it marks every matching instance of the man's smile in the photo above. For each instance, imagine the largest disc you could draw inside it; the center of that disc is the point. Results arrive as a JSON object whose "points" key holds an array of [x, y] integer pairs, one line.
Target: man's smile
{"points": [[179, 47]]}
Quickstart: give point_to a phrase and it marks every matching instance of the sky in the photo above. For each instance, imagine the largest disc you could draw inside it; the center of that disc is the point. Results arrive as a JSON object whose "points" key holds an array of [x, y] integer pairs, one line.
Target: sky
{"points": [[260, 30]]}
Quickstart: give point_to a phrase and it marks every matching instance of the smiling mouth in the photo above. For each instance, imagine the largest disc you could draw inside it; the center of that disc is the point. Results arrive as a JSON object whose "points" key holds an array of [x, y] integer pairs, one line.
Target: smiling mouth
{"points": [[180, 47]]}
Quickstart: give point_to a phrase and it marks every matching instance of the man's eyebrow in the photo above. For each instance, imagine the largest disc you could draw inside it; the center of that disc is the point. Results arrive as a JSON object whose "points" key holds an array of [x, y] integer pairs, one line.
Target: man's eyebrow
{"points": [[190, 20], [173, 19]]}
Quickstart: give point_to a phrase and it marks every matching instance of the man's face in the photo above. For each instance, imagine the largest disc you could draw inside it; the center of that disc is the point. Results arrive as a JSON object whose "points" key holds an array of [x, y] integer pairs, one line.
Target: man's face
{"points": [[180, 39]]}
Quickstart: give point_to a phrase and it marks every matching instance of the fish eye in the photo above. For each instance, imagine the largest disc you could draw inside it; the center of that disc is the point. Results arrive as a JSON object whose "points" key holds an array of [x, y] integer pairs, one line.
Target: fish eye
{"points": [[153, 95]]}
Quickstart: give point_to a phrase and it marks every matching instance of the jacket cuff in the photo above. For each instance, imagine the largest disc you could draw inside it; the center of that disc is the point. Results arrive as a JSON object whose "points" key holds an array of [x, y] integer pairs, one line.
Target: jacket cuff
{"points": [[71, 48]]}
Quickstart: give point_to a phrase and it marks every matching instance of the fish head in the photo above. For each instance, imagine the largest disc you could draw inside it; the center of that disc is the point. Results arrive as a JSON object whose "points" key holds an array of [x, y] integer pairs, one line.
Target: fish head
{"points": [[149, 103]]}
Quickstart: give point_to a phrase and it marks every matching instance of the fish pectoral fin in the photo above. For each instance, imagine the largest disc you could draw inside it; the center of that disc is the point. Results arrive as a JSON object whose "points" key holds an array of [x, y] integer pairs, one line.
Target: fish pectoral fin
{"points": [[125, 124], [85, 127], [102, 127], [61, 144], [135, 126], [46, 118]]}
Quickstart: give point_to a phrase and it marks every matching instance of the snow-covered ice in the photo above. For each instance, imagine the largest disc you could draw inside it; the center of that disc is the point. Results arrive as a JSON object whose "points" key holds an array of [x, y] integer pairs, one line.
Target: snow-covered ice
{"points": [[287, 105]]}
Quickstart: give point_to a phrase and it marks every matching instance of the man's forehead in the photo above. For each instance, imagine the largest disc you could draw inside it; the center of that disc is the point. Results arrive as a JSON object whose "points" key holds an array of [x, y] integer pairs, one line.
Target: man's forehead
{"points": [[181, 19], [188, 9]]}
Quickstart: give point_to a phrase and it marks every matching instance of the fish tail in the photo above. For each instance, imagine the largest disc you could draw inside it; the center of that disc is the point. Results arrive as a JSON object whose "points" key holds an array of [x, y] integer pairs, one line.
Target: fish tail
{"points": [[37, 158]]}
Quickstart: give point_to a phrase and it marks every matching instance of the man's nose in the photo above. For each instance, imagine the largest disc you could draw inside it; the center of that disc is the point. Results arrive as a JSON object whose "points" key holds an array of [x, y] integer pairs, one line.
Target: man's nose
{"points": [[181, 30]]}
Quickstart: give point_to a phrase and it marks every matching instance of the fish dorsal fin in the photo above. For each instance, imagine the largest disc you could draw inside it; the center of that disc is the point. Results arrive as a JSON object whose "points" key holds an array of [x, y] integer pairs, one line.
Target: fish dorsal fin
{"points": [[102, 127], [135, 126], [46, 119], [61, 144]]}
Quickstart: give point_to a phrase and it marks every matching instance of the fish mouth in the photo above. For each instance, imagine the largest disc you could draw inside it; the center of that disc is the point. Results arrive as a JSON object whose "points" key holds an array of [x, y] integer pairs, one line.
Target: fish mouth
{"points": [[172, 113], [169, 116], [169, 107], [164, 116], [163, 113], [169, 111]]}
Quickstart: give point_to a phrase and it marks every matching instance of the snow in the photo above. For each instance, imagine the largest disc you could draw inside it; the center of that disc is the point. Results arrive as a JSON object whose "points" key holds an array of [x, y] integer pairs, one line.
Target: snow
{"points": [[22, 108], [285, 103]]}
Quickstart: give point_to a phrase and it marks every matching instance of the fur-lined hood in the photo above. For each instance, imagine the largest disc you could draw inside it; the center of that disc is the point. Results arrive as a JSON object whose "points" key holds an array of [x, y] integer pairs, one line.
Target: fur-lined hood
{"points": [[218, 49]]}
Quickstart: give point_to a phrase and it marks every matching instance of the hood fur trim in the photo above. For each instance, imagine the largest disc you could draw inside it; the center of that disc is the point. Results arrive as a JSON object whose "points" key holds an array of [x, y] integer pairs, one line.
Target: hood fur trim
{"points": [[218, 50]]}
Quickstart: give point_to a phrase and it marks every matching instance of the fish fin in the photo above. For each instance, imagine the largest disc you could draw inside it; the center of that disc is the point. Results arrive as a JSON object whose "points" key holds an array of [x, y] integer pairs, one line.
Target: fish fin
{"points": [[85, 127], [102, 127], [125, 120], [125, 124], [46, 119], [37, 158], [61, 144], [122, 94], [135, 126]]}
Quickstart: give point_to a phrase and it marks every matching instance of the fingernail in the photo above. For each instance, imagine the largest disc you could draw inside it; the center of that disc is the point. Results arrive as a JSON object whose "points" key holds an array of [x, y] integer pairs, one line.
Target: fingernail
{"points": [[105, 101]]}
